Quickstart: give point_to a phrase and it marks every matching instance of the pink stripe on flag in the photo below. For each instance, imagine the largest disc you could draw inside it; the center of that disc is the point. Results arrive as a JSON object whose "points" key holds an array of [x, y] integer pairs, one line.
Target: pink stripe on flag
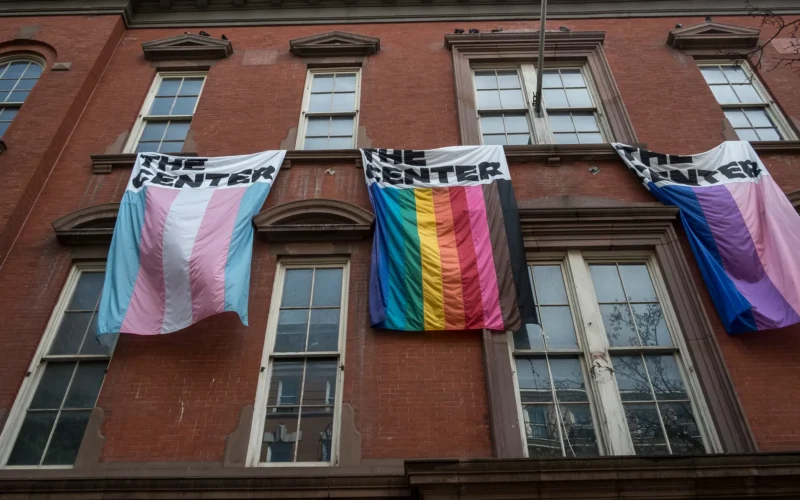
{"points": [[210, 253], [145, 313], [775, 232], [487, 275]]}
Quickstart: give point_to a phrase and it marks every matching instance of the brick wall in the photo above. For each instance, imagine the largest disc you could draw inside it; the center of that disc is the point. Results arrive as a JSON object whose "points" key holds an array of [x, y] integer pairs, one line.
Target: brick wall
{"points": [[176, 397]]}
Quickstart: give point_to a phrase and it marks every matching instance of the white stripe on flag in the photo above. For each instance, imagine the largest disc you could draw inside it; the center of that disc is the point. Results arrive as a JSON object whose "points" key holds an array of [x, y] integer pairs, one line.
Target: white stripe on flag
{"points": [[180, 231]]}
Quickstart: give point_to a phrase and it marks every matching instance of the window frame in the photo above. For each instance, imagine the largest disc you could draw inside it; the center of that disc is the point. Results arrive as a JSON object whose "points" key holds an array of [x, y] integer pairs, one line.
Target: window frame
{"points": [[604, 397], [305, 114], [37, 368], [16, 58], [268, 357], [142, 118], [769, 105]]}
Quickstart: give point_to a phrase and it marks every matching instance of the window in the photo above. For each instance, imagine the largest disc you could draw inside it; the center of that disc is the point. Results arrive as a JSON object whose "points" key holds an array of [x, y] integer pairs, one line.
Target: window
{"points": [[298, 402], [648, 406], [746, 104], [330, 110], [569, 111], [17, 78], [167, 113], [48, 420]]}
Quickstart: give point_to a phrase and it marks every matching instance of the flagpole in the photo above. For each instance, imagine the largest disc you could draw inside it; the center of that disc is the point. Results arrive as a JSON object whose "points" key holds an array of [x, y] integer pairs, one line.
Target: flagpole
{"points": [[537, 99]]}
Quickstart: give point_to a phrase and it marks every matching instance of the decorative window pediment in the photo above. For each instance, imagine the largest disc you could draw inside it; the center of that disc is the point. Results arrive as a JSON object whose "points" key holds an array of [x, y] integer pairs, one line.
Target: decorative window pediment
{"points": [[711, 35], [187, 46], [334, 43], [87, 226], [314, 220]]}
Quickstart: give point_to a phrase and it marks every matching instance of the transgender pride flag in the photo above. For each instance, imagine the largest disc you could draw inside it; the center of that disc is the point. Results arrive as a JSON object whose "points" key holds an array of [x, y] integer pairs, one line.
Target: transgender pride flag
{"points": [[183, 241], [744, 232]]}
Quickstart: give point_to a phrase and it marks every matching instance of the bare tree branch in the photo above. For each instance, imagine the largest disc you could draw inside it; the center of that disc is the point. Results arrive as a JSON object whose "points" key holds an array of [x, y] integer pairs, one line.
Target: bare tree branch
{"points": [[783, 29]]}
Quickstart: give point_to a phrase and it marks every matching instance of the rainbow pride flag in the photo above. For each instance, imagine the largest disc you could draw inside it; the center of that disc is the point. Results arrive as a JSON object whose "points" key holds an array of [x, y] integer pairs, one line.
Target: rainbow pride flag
{"points": [[447, 251]]}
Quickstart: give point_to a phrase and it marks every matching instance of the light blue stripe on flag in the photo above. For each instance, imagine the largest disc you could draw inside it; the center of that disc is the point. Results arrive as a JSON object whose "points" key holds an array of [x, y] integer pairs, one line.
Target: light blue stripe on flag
{"points": [[240, 253], [123, 263]]}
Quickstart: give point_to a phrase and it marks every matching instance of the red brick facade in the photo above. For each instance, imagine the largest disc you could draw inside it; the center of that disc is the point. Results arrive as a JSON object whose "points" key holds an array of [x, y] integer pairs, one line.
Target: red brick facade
{"points": [[176, 398]]}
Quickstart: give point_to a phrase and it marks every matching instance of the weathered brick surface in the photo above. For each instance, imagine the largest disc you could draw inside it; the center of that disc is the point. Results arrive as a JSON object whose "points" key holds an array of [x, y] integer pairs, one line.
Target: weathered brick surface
{"points": [[176, 397]]}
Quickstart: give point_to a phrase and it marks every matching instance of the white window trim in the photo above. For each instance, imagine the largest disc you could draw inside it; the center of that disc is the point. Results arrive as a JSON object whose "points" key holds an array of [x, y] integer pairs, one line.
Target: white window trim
{"points": [[540, 125], [265, 375], [36, 370], [611, 427], [304, 113], [141, 120], [769, 106]]}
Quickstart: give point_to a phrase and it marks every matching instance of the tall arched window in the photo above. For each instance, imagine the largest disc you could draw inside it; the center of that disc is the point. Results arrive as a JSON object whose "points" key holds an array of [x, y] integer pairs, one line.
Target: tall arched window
{"points": [[18, 75]]}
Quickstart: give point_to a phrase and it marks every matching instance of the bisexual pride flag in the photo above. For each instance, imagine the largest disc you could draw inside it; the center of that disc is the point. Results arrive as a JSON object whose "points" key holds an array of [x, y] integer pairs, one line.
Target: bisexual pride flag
{"points": [[183, 241], [744, 232], [447, 251]]}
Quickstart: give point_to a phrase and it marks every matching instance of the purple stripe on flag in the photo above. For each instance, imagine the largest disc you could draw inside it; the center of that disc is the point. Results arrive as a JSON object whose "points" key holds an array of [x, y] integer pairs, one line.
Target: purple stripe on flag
{"points": [[740, 258], [210, 253], [145, 313]]}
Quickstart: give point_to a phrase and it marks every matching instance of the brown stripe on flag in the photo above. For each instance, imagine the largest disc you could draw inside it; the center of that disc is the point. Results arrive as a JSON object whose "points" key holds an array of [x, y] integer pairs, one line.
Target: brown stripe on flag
{"points": [[506, 286]]}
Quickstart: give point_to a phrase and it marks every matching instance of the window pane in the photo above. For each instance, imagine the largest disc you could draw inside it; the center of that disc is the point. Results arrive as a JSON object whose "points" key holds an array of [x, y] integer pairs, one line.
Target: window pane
{"points": [[50, 392], [712, 74], [3, 128], [86, 385], [606, 283], [508, 80], [747, 134], [485, 80], [665, 377], [724, 94], [161, 106], [651, 324], [319, 103], [323, 333], [631, 378], [25, 84], [147, 147], [177, 131], [516, 124], [645, 429], [549, 284], [492, 125], [541, 430], [560, 122], [32, 438], [34, 71], [340, 143], [327, 287], [70, 333], [768, 134], [618, 324], [343, 102], [171, 147], [682, 431], [572, 78], [312, 143], [565, 138], [320, 385], [67, 438], [345, 83], [191, 86], [318, 126], [757, 117], [518, 139], [578, 429], [737, 118], [153, 131], [17, 97], [488, 99], [499, 140], [7, 85], [87, 292], [735, 74], [92, 346], [555, 98], [342, 126], [8, 114], [568, 379], [184, 106], [747, 94], [3, 96], [284, 387], [280, 435], [551, 79], [579, 98], [316, 428], [534, 380], [528, 337], [169, 87], [291, 334], [637, 283], [585, 122], [322, 83], [592, 138], [558, 327], [15, 70], [297, 288]]}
